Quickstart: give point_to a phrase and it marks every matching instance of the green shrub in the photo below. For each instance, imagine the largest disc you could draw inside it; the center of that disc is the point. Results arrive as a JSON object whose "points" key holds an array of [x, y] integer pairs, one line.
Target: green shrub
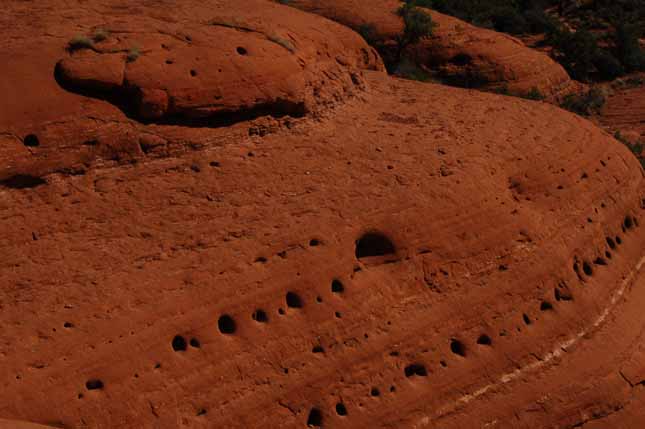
{"points": [[133, 54], [418, 24], [575, 51], [508, 19], [79, 42], [609, 68], [628, 47], [534, 94], [100, 35], [635, 148], [584, 104], [368, 32]]}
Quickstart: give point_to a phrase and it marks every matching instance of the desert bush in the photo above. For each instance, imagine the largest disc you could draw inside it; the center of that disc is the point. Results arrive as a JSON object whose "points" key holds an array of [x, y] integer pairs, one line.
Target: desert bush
{"points": [[635, 148], [79, 42], [628, 48], [133, 54], [100, 35], [607, 65], [585, 104], [368, 32], [534, 94], [418, 24]]}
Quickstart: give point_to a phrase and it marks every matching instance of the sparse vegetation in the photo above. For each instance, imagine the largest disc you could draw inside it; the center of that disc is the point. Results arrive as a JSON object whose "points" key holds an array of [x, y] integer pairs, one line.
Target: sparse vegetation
{"points": [[80, 42], [418, 24], [100, 35], [534, 94], [604, 42], [133, 54], [585, 104], [635, 148], [84, 42], [368, 32]]}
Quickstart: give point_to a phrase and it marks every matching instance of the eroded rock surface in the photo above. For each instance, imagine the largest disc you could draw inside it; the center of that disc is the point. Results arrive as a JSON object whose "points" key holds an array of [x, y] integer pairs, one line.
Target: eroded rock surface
{"points": [[459, 53], [408, 255]]}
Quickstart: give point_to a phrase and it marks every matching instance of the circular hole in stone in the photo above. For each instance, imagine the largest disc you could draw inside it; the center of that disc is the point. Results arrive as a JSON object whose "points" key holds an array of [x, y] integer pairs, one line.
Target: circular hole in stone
{"points": [[375, 392], [31, 140], [226, 324], [374, 244], [315, 418], [337, 286], [619, 240], [193, 73], [314, 242], [415, 369], [599, 261], [242, 51], [318, 349], [319, 299], [458, 348], [293, 300], [260, 316], [546, 306], [194, 342], [94, 384], [341, 410], [586, 268], [484, 340], [179, 343], [281, 311], [338, 315]]}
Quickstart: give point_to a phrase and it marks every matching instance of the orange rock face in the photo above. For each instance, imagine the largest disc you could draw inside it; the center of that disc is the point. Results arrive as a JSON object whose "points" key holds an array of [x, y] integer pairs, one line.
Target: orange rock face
{"points": [[459, 53], [625, 111], [395, 254], [472, 56]]}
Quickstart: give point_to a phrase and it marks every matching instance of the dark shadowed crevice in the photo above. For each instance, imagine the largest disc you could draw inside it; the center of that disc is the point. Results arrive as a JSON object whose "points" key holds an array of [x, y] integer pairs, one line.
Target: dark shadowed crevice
{"points": [[458, 348], [127, 99], [415, 369], [374, 244], [22, 181], [226, 324], [315, 418]]}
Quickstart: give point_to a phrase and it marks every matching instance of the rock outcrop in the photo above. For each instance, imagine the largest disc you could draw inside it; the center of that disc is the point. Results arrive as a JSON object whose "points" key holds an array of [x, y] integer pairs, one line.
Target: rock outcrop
{"points": [[458, 53], [397, 254]]}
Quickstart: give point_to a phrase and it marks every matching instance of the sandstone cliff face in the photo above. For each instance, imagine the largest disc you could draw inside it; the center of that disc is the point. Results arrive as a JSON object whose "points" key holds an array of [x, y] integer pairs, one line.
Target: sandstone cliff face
{"points": [[624, 111], [458, 53], [470, 56], [396, 254]]}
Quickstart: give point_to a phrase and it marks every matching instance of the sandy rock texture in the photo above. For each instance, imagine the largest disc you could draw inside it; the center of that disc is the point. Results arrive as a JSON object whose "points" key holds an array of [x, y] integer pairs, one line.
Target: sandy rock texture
{"points": [[395, 254], [624, 111], [459, 53]]}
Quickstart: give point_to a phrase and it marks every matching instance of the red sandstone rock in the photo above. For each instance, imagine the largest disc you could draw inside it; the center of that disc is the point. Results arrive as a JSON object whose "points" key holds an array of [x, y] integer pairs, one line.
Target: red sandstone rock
{"points": [[458, 52], [400, 255], [475, 56]]}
